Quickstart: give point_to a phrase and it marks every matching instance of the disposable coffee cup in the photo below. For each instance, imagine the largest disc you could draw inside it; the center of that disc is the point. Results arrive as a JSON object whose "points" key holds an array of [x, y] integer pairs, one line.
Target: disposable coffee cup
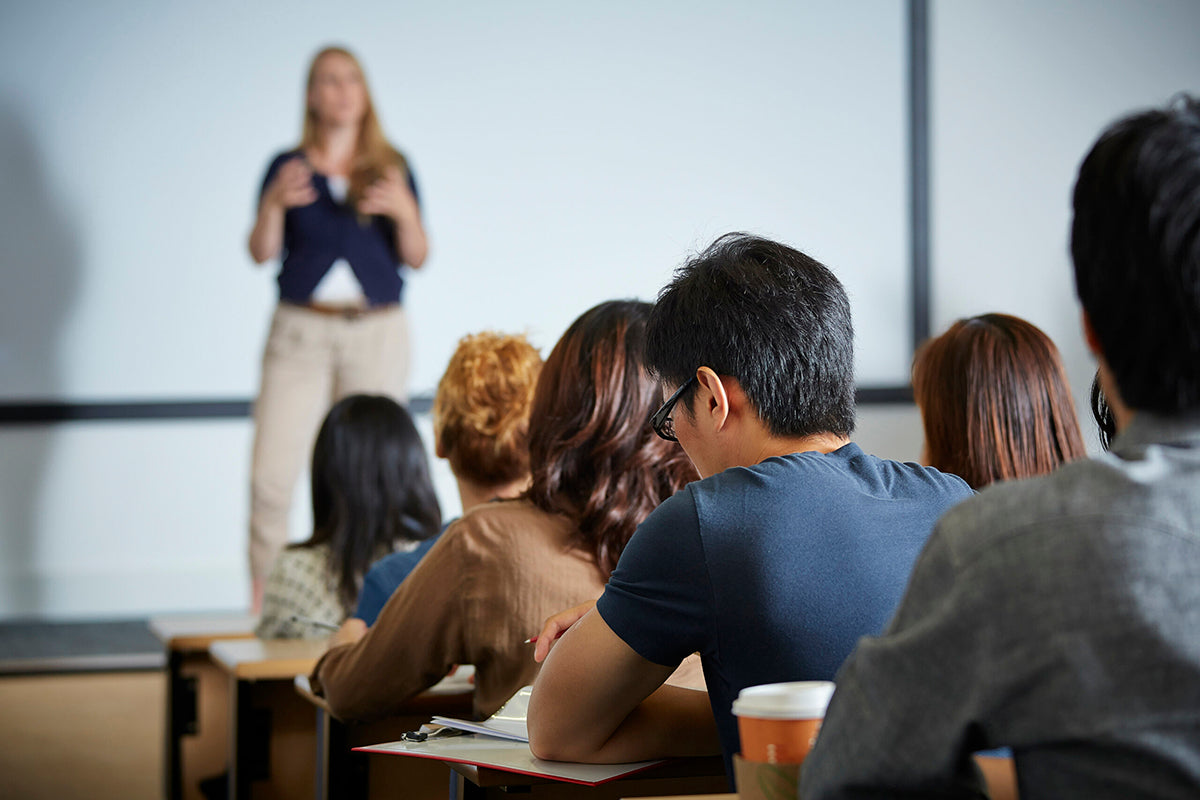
{"points": [[778, 722]]}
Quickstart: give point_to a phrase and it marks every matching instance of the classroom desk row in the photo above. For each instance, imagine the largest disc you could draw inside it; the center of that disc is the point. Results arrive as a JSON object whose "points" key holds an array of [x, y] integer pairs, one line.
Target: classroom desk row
{"points": [[242, 722], [242, 719]]}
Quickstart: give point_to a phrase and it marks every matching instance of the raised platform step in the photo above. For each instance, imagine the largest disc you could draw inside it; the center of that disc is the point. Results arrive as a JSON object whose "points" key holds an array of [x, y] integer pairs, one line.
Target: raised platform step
{"points": [[36, 646]]}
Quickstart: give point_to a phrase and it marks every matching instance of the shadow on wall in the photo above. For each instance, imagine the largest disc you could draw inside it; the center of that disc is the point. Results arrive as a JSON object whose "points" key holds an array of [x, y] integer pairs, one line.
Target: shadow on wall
{"points": [[40, 272]]}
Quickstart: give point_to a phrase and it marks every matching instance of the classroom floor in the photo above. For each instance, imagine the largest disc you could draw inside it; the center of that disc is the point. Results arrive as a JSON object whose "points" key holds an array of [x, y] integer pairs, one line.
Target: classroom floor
{"points": [[82, 735]]}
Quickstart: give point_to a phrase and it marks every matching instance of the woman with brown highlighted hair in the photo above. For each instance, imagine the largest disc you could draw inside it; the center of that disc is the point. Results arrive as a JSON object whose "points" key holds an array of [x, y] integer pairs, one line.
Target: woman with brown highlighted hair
{"points": [[597, 470], [995, 401]]}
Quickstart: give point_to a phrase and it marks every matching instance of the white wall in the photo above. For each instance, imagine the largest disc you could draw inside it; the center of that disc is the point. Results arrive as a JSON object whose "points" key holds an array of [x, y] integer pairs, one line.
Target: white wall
{"points": [[1019, 93], [565, 155], [109, 518]]}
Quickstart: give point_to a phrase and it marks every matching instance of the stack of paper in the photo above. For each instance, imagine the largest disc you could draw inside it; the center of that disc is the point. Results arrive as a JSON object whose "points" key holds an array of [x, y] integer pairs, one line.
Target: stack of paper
{"points": [[503, 743], [507, 723]]}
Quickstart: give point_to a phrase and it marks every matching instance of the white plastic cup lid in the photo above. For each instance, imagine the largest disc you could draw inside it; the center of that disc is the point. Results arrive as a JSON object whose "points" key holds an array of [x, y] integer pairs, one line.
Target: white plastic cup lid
{"points": [[795, 700]]}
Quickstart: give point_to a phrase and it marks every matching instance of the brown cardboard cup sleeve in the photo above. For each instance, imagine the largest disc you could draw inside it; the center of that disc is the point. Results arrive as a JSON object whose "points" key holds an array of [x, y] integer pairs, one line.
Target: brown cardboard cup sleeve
{"points": [[759, 781]]}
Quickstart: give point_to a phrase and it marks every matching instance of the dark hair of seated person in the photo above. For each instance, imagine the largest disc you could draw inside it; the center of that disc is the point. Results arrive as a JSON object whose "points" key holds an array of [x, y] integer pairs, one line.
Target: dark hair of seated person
{"points": [[995, 401], [1106, 423], [371, 488], [733, 308], [1135, 241], [594, 457]]}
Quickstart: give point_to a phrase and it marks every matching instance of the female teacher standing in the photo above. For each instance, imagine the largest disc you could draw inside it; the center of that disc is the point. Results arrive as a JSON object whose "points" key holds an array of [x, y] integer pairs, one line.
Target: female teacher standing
{"points": [[341, 210]]}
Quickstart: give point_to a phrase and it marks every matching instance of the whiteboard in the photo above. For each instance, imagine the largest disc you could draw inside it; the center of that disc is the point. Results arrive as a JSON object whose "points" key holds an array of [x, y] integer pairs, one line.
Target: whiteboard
{"points": [[567, 154]]}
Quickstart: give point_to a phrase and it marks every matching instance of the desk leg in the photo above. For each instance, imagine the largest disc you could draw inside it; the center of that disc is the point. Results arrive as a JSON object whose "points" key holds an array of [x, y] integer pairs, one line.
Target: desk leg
{"points": [[342, 774], [182, 719], [249, 740], [237, 785], [172, 760], [463, 789], [322, 760]]}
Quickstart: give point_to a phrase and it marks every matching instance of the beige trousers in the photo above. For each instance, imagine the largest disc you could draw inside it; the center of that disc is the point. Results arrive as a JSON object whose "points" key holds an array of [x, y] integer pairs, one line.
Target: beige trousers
{"points": [[311, 361]]}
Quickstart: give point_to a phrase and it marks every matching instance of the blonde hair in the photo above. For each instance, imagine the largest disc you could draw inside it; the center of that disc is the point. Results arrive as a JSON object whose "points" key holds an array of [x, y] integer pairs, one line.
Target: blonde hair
{"points": [[481, 410], [374, 154]]}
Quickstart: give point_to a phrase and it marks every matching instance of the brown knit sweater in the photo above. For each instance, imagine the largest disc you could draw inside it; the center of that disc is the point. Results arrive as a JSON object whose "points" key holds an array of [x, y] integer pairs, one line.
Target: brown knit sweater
{"points": [[485, 587]]}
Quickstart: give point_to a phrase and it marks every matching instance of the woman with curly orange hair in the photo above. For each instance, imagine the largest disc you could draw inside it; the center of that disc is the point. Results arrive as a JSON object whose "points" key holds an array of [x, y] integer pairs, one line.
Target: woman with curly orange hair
{"points": [[481, 426]]}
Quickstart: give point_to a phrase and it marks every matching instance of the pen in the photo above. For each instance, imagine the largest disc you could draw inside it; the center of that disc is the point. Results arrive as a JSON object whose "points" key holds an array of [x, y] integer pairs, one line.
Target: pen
{"points": [[557, 636], [314, 622]]}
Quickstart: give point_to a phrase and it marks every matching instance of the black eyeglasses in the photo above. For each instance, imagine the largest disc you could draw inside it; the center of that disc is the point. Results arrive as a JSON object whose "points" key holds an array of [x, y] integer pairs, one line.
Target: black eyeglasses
{"points": [[661, 421]]}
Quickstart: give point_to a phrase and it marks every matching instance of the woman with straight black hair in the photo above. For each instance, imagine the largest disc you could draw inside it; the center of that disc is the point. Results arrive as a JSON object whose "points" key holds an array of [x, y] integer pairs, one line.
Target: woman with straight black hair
{"points": [[371, 495]]}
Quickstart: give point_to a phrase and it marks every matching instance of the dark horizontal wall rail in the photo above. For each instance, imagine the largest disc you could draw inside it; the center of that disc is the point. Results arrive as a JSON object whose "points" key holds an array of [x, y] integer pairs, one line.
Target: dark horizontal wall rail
{"points": [[52, 412], [47, 413]]}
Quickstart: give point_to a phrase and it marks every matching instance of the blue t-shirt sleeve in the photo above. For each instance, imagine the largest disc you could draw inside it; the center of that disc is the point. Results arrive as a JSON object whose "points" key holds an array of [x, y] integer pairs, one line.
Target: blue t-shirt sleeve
{"points": [[376, 590], [385, 576], [659, 598]]}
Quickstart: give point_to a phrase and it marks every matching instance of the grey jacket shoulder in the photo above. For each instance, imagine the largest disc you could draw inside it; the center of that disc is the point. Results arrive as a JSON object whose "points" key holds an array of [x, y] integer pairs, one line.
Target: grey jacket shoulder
{"points": [[1151, 480]]}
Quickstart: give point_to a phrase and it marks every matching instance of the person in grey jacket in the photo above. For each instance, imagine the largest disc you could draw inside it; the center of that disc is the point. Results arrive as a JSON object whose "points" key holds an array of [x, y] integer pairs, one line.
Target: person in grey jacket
{"points": [[1060, 616]]}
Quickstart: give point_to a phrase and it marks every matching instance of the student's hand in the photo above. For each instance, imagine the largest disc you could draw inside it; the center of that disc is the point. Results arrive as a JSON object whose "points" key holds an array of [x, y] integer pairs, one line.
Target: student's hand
{"points": [[291, 187], [556, 626], [390, 197], [351, 631]]}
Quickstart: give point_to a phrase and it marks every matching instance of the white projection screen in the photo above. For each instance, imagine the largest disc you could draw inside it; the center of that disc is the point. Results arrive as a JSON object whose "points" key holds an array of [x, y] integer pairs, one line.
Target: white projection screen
{"points": [[567, 154]]}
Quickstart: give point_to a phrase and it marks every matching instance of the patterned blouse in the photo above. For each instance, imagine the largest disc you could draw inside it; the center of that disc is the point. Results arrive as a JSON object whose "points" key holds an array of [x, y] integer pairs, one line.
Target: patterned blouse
{"points": [[300, 586]]}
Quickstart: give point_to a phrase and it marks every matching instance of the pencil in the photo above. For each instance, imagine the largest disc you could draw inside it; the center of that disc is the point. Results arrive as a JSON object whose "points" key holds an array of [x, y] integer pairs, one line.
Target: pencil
{"points": [[315, 622]]}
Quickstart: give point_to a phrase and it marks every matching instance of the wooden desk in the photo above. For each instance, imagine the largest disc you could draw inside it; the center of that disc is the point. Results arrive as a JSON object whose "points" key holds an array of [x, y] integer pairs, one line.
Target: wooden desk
{"points": [[346, 775], [682, 776], [487, 767], [271, 734], [197, 698]]}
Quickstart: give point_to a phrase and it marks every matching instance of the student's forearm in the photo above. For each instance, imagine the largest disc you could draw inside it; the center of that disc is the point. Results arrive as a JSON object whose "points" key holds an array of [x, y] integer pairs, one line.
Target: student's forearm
{"points": [[672, 721], [362, 681]]}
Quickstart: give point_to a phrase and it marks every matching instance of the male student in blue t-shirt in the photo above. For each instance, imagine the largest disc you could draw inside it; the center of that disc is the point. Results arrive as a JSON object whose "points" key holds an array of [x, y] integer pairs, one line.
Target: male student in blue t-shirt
{"points": [[794, 544]]}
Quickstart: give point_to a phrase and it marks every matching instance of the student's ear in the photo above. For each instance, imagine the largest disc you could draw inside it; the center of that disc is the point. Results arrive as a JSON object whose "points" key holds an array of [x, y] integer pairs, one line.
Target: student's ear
{"points": [[1089, 336], [715, 398], [438, 449]]}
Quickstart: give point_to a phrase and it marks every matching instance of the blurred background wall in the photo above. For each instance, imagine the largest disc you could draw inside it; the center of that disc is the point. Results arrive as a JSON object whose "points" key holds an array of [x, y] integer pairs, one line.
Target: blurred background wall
{"points": [[566, 155]]}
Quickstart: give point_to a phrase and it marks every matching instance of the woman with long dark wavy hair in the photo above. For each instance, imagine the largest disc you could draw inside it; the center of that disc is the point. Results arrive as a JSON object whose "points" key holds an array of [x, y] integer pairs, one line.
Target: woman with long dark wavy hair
{"points": [[371, 495], [597, 470], [995, 401]]}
